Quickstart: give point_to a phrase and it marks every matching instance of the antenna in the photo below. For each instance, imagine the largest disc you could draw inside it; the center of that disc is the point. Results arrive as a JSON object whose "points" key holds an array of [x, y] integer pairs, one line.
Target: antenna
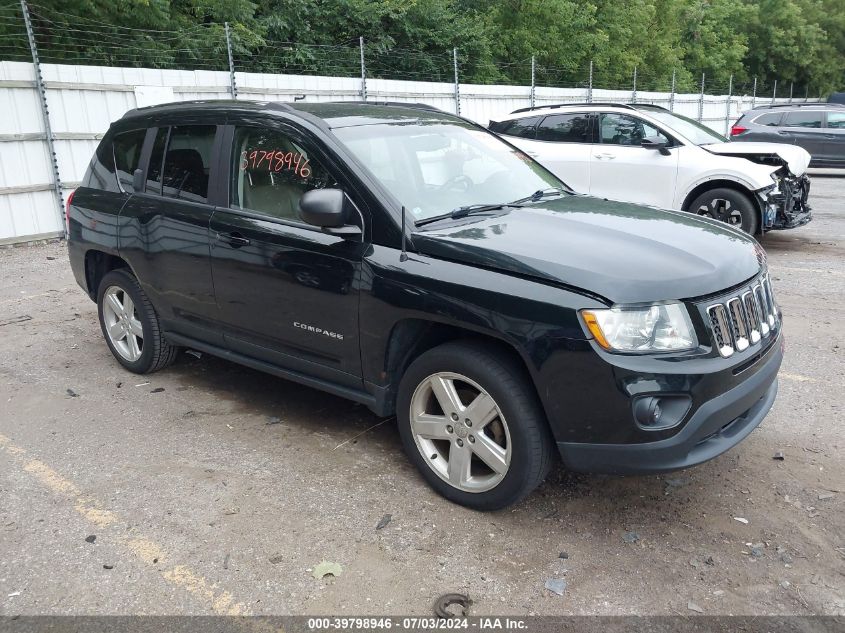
{"points": [[404, 256]]}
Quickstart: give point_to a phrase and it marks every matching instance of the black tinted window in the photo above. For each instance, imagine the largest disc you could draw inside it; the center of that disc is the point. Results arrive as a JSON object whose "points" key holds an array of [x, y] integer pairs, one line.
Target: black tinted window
{"points": [[565, 128], [772, 118], [127, 155], [524, 128], [803, 119], [187, 162], [271, 172]]}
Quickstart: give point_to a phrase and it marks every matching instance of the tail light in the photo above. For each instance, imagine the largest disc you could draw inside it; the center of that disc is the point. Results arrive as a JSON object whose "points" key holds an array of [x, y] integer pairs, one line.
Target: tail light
{"points": [[736, 130], [67, 212]]}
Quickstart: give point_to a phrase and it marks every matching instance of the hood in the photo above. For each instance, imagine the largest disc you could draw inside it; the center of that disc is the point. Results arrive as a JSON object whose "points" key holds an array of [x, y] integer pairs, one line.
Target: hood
{"points": [[623, 252], [796, 158]]}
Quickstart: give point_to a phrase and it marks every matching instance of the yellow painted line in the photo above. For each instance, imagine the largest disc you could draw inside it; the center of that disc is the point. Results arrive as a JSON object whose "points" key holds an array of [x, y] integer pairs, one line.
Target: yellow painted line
{"points": [[147, 551]]}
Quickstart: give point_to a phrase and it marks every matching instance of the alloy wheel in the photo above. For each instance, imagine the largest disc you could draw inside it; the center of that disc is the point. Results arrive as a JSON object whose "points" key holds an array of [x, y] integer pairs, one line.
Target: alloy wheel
{"points": [[123, 326], [721, 209], [460, 431]]}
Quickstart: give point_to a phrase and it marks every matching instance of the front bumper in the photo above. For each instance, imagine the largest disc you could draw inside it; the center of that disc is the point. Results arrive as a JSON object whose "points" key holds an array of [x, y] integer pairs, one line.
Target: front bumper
{"points": [[785, 206], [717, 426]]}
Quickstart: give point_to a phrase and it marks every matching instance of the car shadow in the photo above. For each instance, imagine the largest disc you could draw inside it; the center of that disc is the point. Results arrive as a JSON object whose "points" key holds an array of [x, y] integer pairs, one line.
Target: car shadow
{"points": [[310, 411]]}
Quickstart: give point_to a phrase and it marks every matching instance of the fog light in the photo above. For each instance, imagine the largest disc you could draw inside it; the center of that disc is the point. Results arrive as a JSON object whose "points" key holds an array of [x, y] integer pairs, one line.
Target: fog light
{"points": [[660, 412]]}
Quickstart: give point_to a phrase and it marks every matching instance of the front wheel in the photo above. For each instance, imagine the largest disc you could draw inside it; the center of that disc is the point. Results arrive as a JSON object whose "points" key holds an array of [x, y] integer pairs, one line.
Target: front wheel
{"points": [[471, 423], [729, 206]]}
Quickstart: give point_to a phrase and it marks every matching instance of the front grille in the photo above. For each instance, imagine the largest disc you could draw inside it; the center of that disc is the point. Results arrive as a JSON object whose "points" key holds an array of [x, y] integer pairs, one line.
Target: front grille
{"points": [[744, 320]]}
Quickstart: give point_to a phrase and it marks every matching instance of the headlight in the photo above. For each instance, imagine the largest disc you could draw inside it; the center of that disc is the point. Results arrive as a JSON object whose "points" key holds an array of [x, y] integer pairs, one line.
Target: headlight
{"points": [[661, 327]]}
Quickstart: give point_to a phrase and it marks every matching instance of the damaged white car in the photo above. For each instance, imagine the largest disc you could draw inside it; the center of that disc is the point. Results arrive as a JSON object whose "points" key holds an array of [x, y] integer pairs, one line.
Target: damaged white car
{"points": [[646, 154]]}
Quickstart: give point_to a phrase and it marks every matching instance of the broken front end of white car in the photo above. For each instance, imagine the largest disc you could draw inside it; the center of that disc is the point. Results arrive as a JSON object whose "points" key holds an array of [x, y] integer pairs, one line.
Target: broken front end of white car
{"points": [[783, 203]]}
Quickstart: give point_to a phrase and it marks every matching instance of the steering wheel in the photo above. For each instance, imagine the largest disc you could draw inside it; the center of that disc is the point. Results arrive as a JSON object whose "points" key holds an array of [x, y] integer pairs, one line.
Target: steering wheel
{"points": [[457, 183]]}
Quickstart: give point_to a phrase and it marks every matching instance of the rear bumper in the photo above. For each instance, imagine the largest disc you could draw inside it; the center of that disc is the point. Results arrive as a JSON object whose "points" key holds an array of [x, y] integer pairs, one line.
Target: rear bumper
{"points": [[717, 426]]}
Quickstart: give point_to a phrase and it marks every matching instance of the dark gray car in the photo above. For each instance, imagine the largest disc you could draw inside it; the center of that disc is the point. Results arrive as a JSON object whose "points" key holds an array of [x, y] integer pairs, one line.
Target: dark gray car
{"points": [[817, 127]]}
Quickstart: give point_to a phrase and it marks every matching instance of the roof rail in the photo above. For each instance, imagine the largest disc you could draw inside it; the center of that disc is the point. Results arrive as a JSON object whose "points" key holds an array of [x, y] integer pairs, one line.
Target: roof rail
{"points": [[798, 105], [417, 106], [579, 105]]}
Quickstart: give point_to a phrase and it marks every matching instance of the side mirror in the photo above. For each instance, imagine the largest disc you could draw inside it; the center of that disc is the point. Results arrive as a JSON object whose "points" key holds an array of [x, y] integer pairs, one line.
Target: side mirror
{"points": [[655, 142], [138, 180], [327, 208]]}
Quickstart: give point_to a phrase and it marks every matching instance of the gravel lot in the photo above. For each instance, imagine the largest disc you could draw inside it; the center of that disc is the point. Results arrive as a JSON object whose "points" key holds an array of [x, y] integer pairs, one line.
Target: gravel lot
{"points": [[211, 488]]}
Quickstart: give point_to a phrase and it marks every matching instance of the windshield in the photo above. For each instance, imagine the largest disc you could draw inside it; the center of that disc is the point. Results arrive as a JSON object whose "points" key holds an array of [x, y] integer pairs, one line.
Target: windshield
{"points": [[692, 130], [433, 168]]}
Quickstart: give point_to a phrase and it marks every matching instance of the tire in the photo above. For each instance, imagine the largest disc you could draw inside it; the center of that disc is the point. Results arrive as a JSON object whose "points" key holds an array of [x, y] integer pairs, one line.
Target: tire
{"points": [[132, 332], [730, 206], [514, 434]]}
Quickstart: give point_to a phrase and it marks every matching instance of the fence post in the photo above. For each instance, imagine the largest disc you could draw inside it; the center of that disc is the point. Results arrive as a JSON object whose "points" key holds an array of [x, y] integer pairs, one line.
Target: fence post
{"points": [[45, 113], [533, 81], [363, 70], [728, 108], [457, 83], [701, 100], [634, 90], [672, 93], [590, 84], [775, 91], [233, 87], [806, 93], [754, 94], [791, 86]]}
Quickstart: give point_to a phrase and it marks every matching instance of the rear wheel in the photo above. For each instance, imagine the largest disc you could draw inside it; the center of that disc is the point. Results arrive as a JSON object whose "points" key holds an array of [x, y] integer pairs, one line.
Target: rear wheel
{"points": [[130, 324], [471, 423], [729, 206]]}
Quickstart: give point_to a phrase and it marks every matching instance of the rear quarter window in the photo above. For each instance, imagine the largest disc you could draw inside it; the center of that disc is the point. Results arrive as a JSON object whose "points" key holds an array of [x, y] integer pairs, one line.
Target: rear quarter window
{"points": [[114, 162], [770, 119], [523, 128]]}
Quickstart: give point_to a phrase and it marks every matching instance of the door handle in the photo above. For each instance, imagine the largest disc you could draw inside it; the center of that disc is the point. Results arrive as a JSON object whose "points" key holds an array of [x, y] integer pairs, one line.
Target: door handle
{"points": [[783, 132], [235, 240], [605, 156]]}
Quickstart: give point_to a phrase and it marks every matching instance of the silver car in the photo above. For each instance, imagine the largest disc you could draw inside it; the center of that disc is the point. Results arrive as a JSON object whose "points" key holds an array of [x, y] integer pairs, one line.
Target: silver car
{"points": [[817, 127]]}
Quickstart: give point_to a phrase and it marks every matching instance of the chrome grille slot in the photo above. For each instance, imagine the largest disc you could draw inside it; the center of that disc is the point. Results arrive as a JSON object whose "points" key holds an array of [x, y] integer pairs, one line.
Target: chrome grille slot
{"points": [[770, 301], [762, 309], [721, 328], [739, 323], [750, 304], [743, 319]]}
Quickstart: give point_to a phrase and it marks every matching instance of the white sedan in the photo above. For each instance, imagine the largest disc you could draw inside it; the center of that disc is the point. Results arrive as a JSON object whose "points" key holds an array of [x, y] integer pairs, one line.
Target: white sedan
{"points": [[649, 155]]}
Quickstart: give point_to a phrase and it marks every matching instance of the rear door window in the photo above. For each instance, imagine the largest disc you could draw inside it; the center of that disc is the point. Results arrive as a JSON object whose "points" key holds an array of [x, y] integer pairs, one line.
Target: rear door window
{"points": [[187, 162], [271, 171], [565, 128], [127, 156], [799, 118]]}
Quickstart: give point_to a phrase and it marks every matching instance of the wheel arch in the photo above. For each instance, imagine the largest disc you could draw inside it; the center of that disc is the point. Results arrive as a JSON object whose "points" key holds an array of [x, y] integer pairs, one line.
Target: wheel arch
{"points": [[97, 265], [716, 183], [411, 337], [724, 183]]}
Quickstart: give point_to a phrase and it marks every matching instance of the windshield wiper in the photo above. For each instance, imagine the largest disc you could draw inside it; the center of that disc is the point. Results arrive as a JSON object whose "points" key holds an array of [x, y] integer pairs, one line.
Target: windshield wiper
{"points": [[462, 212], [540, 194]]}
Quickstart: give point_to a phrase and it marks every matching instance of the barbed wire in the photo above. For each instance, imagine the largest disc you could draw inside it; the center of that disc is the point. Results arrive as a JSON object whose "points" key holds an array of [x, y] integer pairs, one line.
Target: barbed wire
{"points": [[62, 37]]}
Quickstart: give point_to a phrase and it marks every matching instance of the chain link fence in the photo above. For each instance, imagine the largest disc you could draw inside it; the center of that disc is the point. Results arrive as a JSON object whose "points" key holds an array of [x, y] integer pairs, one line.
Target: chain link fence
{"points": [[96, 71]]}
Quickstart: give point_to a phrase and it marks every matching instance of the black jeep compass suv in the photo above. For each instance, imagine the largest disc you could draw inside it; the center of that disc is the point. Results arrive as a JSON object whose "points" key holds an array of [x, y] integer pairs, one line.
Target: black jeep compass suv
{"points": [[410, 260]]}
